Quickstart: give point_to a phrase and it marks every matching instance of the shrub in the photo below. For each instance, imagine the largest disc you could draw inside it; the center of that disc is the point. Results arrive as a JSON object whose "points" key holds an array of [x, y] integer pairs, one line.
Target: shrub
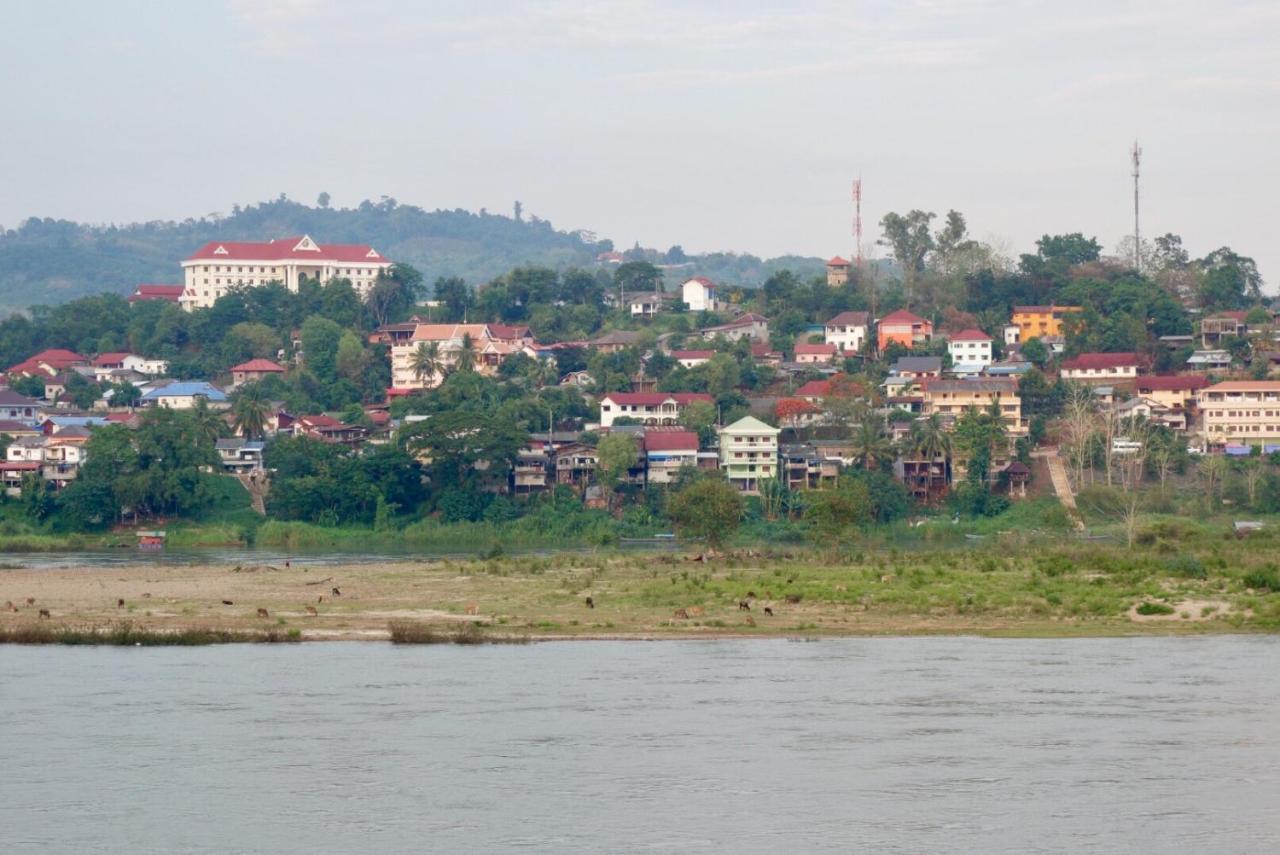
{"points": [[1150, 608], [1263, 579]]}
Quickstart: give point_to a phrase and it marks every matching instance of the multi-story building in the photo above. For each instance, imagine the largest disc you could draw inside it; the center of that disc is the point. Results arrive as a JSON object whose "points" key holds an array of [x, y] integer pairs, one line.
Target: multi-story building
{"points": [[750, 325], [970, 348], [847, 331], [650, 408], [904, 328], [749, 453], [814, 353], [948, 397], [700, 295], [667, 452], [1220, 325], [1240, 411], [1040, 321], [490, 345], [221, 266], [1101, 367], [837, 271], [1175, 391]]}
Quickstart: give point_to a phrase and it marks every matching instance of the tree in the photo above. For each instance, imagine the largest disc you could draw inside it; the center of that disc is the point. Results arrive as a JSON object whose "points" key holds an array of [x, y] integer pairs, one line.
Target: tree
{"points": [[709, 508], [951, 243], [637, 276], [835, 515], [349, 360], [466, 360], [426, 362], [320, 337], [869, 444], [323, 200], [1034, 351], [251, 411], [465, 448], [909, 239], [616, 455], [394, 293]]}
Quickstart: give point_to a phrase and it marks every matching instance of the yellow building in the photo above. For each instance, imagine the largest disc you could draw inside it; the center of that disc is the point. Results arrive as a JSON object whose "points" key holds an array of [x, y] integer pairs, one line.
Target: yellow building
{"points": [[1241, 411], [948, 397], [1041, 321]]}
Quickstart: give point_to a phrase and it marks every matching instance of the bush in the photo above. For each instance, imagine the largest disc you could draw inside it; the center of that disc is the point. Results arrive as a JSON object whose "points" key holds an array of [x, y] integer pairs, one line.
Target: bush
{"points": [[1150, 608], [1263, 579], [1187, 566]]}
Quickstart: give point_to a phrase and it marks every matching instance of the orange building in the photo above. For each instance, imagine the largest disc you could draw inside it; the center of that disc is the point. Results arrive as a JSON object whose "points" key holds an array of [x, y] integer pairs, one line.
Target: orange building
{"points": [[904, 328], [1041, 321]]}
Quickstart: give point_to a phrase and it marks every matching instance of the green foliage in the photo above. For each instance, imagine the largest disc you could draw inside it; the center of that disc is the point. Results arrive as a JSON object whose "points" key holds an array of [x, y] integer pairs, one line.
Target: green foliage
{"points": [[709, 508], [834, 515]]}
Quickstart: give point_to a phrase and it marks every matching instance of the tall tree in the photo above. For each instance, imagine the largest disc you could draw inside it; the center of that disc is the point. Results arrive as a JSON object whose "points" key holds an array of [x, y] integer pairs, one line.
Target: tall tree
{"points": [[910, 240]]}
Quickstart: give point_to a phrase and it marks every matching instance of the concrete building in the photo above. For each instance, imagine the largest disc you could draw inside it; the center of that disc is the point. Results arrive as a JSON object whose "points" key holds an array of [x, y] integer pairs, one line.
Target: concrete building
{"points": [[650, 408], [1101, 367], [490, 345], [220, 266], [699, 295], [837, 271], [904, 328], [970, 347], [749, 325], [749, 453], [847, 331], [948, 397], [1040, 321], [667, 452], [1240, 412], [255, 370]]}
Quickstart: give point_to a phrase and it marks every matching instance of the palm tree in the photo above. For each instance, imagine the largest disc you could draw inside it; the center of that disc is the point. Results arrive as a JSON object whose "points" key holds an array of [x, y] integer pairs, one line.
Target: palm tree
{"points": [[929, 440], [869, 443], [208, 425], [251, 414], [467, 355], [426, 361]]}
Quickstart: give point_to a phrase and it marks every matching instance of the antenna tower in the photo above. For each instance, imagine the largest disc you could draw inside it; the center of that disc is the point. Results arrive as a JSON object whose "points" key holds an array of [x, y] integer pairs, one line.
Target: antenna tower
{"points": [[1136, 153], [857, 220]]}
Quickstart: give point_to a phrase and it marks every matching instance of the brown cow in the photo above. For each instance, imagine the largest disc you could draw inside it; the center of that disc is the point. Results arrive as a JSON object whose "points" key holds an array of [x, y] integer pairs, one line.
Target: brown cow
{"points": [[120, 603], [336, 592], [228, 602], [750, 621], [263, 613], [9, 606], [311, 611], [44, 614], [744, 605], [793, 598], [472, 609], [591, 604], [768, 611], [696, 611], [681, 613], [31, 601]]}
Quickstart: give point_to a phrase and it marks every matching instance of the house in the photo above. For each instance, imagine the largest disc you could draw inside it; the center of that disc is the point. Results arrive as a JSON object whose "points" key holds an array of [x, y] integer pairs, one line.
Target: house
{"points": [[970, 348], [667, 451], [947, 397], [765, 355], [838, 385], [808, 354], [700, 294], [612, 342], [927, 479], [647, 304], [916, 367], [847, 331], [47, 363], [692, 358], [218, 267], [18, 408], [1240, 412], [184, 395], [1040, 321], [749, 453], [1210, 360], [575, 464], [254, 370], [1101, 367], [904, 328], [328, 429], [1153, 412], [239, 455], [164, 293], [1012, 334], [1220, 325], [531, 470], [63, 455], [748, 325], [490, 345], [578, 379], [650, 408], [55, 425], [16, 430], [106, 364], [837, 271], [1175, 391]]}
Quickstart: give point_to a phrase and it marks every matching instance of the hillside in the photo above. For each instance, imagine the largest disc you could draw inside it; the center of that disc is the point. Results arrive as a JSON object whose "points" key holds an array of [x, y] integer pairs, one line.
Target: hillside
{"points": [[47, 261]]}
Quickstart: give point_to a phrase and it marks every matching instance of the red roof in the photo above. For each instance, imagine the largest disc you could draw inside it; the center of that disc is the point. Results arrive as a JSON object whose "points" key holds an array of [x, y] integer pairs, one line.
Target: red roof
{"points": [[702, 280], [670, 440], [902, 316], [320, 420], [282, 249], [54, 358], [103, 360], [814, 389], [1173, 383], [1234, 315], [762, 349], [507, 332], [815, 349], [970, 335], [259, 366], [1099, 361], [849, 319], [170, 293], [693, 354], [837, 261], [653, 399]]}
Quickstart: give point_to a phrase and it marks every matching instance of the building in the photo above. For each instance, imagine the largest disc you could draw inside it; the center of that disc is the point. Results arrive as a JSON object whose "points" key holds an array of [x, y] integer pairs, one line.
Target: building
{"points": [[184, 395], [749, 453], [700, 294], [1210, 360], [1040, 321], [1175, 391], [19, 408], [612, 342], [1012, 334], [808, 354], [575, 464], [1101, 367], [1240, 412], [667, 452], [1220, 325], [947, 397], [847, 331], [240, 455], [490, 346], [328, 429], [692, 358], [646, 304], [904, 328], [1153, 412], [916, 367], [164, 293], [104, 364], [750, 325], [254, 370], [837, 271], [218, 267], [650, 408], [971, 347], [47, 364]]}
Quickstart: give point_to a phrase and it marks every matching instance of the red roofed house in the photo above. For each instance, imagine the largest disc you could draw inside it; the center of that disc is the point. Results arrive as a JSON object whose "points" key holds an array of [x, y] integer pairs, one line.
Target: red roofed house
{"points": [[1175, 391], [218, 267], [167, 293], [837, 271], [254, 370], [1101, 367], [904, 328], [815, 353], [666, 451], [47, 363], [329, 429], [651, 408], [490, 345], [750, 325], [692, 358], [847, 330], [699, 295], [106, 363], [838, 386], [970, 347]]}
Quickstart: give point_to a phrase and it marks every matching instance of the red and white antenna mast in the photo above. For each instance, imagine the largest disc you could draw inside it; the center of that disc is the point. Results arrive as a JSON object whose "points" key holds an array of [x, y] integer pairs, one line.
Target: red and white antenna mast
{"points": [[857, 220]]}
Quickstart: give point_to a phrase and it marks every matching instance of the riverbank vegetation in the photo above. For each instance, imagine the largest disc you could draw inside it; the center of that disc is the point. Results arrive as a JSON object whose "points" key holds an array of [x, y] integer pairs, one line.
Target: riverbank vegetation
{"points": [[126, 634]]}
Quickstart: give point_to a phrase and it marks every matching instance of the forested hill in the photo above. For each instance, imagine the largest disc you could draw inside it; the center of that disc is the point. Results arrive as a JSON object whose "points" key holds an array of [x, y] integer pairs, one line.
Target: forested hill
{"points": [[46, 261]]}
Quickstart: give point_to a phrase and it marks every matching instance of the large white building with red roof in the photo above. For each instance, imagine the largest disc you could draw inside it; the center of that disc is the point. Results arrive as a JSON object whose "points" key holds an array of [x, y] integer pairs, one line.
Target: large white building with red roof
{"points": [[220, 266]]}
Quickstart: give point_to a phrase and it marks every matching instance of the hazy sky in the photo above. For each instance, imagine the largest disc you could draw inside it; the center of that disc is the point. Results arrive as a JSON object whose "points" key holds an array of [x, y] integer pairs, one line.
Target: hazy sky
{"points": [[716, 125]]}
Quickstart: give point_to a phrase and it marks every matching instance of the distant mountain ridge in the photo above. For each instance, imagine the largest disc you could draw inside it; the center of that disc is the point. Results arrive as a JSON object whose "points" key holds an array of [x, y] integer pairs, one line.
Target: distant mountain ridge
{"points": [[46, 261]]}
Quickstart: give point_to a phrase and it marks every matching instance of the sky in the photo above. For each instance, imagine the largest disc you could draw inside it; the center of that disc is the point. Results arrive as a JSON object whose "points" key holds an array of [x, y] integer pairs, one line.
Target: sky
{"points": [[714, 125]]}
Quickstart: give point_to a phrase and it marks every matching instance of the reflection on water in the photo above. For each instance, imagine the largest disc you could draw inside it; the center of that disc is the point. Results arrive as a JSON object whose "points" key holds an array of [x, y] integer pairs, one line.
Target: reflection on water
{"points": [[872, 745]]}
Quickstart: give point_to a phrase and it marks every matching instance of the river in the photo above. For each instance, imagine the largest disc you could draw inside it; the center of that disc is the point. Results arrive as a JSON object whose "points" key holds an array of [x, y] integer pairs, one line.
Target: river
{"points": [[887, 745]]}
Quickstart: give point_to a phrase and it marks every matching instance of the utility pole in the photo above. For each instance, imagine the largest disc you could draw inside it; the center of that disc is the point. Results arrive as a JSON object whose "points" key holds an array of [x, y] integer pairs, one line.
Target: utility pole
{"points": [[1136, 153]]}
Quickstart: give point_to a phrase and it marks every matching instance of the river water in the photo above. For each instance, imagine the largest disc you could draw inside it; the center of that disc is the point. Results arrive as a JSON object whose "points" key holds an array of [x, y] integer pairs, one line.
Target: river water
{"points": [[896, 745]]}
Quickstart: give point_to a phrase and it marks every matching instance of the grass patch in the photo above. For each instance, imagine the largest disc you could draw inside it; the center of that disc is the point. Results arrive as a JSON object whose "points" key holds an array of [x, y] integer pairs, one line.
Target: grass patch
{"points": [[125, 634], [416, 632], [1150, 608]]}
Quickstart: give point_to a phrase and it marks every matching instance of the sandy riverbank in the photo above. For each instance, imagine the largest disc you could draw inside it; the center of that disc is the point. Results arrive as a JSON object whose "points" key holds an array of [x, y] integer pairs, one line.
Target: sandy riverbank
{"points": [[546, 597]]}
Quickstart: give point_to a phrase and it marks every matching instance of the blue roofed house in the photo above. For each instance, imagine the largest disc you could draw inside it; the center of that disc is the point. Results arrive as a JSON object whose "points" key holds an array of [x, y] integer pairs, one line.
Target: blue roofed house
{"points": [[182, 395]]}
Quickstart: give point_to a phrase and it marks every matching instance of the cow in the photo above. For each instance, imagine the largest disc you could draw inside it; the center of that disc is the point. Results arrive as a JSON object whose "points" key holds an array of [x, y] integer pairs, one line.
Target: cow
{"points": [[120, 603], [793, 598], [31, 601], [263, 613], [44, 614], [768, 611], [228, 602], [744, 605], [696, 611], [472, 609], [591, 604], [680, 613], [336, 592], [311, 611], [9, 606]]}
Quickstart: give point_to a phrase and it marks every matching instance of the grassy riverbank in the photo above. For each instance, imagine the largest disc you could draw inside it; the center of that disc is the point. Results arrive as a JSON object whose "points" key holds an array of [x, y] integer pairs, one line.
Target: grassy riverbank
{"points": [[1182, 579]]}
